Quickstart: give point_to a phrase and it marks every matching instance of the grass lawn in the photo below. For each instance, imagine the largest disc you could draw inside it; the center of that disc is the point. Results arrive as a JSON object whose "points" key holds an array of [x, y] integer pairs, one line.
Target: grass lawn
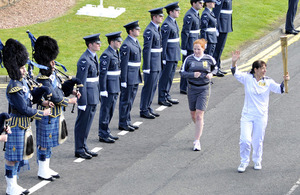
{"points": [[251, 20]]}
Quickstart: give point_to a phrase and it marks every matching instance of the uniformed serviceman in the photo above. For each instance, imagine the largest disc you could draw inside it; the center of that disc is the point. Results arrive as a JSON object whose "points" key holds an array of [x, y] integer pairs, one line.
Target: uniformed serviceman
{"points": [[290, 17], [170, 54], [190, 32], [130, 52], [109, 85], [88, 73], [208, 26], [151, 62], [223, 13], [47, 129], [20, 100]]}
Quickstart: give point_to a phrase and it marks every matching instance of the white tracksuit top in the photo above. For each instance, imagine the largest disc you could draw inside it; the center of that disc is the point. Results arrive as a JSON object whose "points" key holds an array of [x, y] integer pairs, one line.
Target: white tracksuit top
{"points": [[256, 101]]}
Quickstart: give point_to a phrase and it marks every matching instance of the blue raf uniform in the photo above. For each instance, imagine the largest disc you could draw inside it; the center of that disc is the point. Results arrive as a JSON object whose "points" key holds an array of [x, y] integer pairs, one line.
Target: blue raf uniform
{"points": [[88, 73], [209, 29], [109, 86], [223, 13], [170, 56], [151, 64], [190, 32], [130, 52], [290, 17]]}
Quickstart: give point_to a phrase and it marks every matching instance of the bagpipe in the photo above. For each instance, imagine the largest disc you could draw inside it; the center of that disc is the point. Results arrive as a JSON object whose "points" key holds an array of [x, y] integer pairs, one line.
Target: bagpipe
{"points": [[68, 83], [4, 124]]}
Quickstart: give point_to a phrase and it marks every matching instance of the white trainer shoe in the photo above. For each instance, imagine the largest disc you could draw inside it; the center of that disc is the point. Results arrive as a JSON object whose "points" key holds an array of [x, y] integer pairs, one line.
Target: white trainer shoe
{"points": [[257, 166], [197, 145], [242, 168]]}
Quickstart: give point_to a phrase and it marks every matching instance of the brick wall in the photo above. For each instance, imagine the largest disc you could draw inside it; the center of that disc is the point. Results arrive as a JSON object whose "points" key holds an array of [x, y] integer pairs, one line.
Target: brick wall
{"points": [[5, 3]]}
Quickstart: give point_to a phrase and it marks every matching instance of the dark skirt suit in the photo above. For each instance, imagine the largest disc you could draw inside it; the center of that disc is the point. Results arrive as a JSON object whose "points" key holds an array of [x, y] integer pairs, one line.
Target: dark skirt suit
{"points": [[19, 98], [47, 133], [198, 88]]}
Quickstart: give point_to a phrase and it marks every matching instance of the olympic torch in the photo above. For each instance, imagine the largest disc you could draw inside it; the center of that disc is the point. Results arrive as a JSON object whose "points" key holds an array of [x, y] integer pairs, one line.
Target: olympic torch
{"points": [[283, 40]]}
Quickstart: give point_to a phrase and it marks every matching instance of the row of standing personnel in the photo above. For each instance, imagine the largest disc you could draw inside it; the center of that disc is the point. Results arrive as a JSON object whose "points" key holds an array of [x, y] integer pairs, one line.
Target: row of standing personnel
{"points": [[104, 78], [119, 71]]}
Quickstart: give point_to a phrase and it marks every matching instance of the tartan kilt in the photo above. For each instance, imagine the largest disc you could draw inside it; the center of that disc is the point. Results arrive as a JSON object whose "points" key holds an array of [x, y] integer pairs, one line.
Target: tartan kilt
{"points": [[15, 144], [47, 134]]}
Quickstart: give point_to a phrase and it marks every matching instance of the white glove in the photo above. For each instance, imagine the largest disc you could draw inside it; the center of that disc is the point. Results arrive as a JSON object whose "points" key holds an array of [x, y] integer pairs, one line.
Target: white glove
{"points": [[146, 71], [184, 52], [217, 33], [164, 62], [82, 107], [104, 93], [124, 84]]}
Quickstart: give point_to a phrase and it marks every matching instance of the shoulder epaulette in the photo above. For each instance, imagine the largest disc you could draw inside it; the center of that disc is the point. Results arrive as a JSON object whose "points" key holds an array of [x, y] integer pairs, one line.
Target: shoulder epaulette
{"points": [[14, 87]]}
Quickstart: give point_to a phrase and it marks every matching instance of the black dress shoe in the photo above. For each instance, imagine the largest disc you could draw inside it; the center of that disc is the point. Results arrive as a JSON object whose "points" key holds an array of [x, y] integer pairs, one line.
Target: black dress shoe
{"points": [[46, 179], [183, 92], [223, 72], [83, 155], [165, 103], [218, 74], [25, 192], [173, 101], [93, 154], [154, 114], [127, 128], [113, 137], [106, 140], [148, 116], [134, 126], [291, 32]]}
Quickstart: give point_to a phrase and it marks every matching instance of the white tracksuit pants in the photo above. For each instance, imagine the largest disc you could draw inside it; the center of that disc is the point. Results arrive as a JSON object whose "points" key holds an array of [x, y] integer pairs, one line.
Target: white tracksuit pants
{"points": [[252, 133]]}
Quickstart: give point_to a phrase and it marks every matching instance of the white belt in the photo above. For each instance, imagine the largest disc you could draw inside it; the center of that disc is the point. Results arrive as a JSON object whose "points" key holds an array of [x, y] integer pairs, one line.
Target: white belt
{"points": [[156, 50], [195, 31], [92, 79], [118, 72], [211, 30], [134, 63], [226, 11], [173, 40]]}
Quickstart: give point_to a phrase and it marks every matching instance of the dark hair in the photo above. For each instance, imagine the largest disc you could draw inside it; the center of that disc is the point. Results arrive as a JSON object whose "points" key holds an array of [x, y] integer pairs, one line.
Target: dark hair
{"points": [[257, 64]]}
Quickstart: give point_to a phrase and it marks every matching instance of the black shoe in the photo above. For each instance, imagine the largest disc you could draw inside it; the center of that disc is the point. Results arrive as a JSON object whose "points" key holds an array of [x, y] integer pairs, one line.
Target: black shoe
{"points": [[173, 101], [223, 72], [113, 137], [154, 114], [106, 140], [93, 154], [83, 155], [148, 116], [291, 32], [165, 103], [218, 74], [134, 126], [46, 179], [183, 92], [127, 128], [57, 176], [25, 192]]}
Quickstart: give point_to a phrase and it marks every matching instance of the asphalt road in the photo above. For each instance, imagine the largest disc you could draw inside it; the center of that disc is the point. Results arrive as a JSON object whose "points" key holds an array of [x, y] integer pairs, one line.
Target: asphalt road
{"points": [[158, 158]]}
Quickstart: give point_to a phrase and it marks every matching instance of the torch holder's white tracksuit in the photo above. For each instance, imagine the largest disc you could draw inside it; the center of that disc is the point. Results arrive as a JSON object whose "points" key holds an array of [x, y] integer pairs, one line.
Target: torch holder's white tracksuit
{"points": [[255, 113]]}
